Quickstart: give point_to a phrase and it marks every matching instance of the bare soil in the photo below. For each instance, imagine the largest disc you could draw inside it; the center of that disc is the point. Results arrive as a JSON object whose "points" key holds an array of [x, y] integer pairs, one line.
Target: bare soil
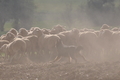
{"points": [[28, 70]]}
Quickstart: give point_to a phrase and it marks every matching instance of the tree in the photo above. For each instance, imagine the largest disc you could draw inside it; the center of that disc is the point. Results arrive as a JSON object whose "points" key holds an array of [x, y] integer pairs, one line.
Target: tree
{"points": [[5, 12], [21, 11], [67, 14], [100, 11]]}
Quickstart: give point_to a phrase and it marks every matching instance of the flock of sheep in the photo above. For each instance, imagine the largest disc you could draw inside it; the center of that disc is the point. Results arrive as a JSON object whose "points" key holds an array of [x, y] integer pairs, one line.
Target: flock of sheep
{"points": [[58, 42]]}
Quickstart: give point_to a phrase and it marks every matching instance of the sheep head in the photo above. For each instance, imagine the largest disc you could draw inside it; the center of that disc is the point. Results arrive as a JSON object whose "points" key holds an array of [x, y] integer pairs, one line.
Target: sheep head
{"points": [[3, 49], [23, 32], [9, 36]]}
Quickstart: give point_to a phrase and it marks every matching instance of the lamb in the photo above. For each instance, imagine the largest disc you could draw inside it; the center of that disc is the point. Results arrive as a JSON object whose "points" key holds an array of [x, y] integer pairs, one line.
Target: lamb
{"points": [[67, 51]]}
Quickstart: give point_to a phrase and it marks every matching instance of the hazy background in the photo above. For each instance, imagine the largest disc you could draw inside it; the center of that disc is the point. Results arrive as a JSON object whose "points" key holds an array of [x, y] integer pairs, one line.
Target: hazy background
{"points": [[48, 13]]}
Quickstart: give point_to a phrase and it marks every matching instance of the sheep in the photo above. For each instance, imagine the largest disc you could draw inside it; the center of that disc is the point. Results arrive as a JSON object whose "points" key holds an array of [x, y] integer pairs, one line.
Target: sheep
{"points": [[70, 37], [60, 27], [16, 47], [37, 31], [9, 37], [115, 29], [2, 42], [19, 36], [28, 46], [31, 39], [86, 29], [33, 28], [105, 26], [2, 36], [57, 29], [105, 36], [105, 40], [114, 45], [44, 40], [46, 31], [23, 32], [47, 43], [66, 37], [14, 31], [32, 43], [67, 51], [90, 41]]}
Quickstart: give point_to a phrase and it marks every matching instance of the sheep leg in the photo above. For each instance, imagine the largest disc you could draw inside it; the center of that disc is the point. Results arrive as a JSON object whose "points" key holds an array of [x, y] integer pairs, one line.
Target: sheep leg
{"points": [[57, 59], [40, 52], [83, 57], [47, 55], [69, 59], [12, 57], [73, 57], [19, 56], [53, 54], [6, 56]]}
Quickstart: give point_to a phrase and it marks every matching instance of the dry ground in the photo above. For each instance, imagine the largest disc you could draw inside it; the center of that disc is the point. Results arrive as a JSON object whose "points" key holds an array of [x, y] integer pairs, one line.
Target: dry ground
{"points": [[60, 71]]}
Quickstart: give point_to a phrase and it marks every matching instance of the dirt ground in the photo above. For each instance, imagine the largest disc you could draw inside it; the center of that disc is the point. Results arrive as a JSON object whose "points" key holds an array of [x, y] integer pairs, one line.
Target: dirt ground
{"points": [[60, 71]]}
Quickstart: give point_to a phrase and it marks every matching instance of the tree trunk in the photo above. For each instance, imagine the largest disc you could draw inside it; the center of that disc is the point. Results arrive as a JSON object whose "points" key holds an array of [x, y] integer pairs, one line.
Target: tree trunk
{"points": [[16, 24], [2, 23]]}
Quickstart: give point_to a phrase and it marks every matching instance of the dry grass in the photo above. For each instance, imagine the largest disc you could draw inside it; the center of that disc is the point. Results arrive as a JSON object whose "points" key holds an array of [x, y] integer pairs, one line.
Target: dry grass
{"points": [[60, 71]]}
